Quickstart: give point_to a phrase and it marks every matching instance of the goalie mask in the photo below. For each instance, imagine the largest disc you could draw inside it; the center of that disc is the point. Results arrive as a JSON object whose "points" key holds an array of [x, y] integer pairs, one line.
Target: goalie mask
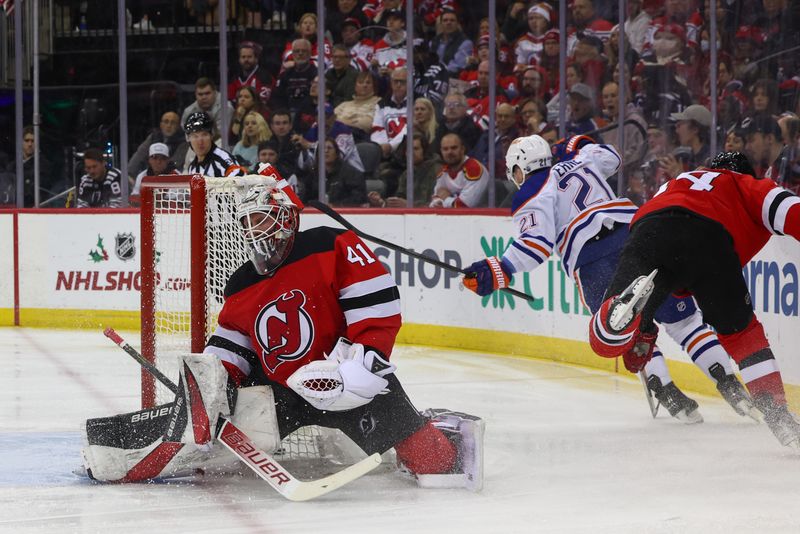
{"points": [[269, 221], [529, 154]]}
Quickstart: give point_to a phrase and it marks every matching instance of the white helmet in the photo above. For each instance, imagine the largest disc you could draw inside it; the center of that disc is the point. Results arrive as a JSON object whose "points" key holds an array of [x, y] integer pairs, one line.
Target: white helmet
{"points": [[269, 221], [529, 154]]}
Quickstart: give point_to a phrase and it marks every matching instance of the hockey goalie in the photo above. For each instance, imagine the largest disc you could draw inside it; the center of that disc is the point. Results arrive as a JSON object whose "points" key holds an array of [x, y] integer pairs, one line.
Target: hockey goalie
{"points": [[304, 337]]}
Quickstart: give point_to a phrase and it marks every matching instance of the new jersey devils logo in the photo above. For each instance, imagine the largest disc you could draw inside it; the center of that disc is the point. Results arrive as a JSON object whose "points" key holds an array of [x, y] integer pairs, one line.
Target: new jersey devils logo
{"points": [[284, 329]]}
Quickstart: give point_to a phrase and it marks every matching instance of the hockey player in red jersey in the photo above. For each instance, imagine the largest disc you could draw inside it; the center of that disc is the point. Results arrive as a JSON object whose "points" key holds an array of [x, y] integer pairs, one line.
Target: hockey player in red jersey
{"points": [[314, 316], [694, 237]]}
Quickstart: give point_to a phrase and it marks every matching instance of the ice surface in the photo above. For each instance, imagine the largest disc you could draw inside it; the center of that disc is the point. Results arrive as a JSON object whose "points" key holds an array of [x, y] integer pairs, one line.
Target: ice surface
{"points": [[567, 450]]}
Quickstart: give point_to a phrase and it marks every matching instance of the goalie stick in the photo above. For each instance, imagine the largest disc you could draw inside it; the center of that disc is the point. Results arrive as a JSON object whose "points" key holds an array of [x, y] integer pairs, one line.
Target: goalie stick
{"points": [[330, 212], [261, 462]]}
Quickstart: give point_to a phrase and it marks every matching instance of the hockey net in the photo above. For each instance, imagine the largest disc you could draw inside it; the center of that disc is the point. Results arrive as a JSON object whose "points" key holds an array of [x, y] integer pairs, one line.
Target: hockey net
{"points": [[191, 244]]}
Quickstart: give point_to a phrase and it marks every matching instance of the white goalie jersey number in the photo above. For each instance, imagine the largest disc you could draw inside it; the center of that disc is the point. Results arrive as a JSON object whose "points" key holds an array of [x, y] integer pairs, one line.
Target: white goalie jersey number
{"points": [[360, 255]]}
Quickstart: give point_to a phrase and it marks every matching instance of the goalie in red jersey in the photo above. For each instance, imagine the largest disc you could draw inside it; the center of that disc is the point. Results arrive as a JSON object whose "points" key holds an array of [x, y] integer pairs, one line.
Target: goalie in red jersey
{"points": [[694, 237], [313, 316]]}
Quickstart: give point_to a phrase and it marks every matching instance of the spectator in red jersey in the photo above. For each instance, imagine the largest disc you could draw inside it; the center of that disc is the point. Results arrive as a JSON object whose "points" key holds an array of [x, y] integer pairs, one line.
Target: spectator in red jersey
{"points": [[306, 29], [250, 73], [478, 97], [528, 48], [585, 20], [681, 13]]}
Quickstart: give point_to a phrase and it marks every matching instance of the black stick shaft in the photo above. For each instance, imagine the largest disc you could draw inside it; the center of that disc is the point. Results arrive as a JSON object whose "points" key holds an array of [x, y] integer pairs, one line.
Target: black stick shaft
{"points": [[111, 334], [330, 212]]}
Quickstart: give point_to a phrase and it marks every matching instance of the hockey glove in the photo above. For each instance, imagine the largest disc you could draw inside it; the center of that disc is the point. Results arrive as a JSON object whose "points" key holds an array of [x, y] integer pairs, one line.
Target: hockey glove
{"points": [[350, 376], [637, 357], [485, 276]]}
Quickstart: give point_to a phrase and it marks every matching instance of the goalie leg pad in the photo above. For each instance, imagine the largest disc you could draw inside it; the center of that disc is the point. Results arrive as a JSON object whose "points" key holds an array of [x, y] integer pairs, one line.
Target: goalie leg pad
{"points": [[255, 415], [465, 432], [202, 396]]}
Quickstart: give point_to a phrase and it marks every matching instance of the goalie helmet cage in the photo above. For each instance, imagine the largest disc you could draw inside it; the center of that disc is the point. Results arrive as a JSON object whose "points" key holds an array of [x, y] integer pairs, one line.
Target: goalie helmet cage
{"points": [[191, 244]]}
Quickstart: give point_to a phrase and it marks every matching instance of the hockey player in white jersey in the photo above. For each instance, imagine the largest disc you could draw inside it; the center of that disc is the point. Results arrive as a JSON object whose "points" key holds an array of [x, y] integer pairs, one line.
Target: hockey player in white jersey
{"points": [[567, 207]]}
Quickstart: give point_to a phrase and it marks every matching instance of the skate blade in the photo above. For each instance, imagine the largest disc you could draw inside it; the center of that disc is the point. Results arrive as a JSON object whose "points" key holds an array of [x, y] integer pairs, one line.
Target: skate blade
{"points": [[689, 418], [623, 313]]}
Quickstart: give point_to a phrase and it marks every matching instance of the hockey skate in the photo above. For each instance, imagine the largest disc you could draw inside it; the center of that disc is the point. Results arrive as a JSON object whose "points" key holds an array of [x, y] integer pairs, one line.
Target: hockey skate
{"points": [[675, 401], [466, 433], [629, 304], [779, 420], [734, 393]]}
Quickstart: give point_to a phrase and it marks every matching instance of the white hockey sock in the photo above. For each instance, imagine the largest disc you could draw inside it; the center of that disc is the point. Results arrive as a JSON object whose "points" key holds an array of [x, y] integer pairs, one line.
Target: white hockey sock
{"points": [[700, 343], [657, 366]]}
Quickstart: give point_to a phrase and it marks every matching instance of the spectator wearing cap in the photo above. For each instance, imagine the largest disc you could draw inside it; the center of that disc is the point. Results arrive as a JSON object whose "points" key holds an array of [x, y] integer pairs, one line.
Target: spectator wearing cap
{"points": [[390, 50], [158, 163], [764, 145], [341, 79], [170, 133], [692, 130], [359, 112], [451, 44], [345, 9], [586, 21], [250, 73], [528, 48], [747, 49], [361, 47], [550, 61], [306, 29], [583, 118]]}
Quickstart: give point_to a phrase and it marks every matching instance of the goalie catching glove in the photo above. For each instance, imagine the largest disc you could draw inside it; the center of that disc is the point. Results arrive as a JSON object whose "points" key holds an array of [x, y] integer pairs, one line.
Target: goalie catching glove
{"points": [[349, 377], [485, 276]]}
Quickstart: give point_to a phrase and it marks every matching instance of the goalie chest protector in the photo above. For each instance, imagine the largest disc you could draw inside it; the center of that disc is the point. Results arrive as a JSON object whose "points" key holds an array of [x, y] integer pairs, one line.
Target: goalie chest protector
{"points": [[331, 285]]}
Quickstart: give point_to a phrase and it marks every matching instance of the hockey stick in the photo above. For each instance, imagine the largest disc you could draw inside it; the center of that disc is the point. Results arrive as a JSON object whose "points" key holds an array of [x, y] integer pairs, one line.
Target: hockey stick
{"points": [[653, 406], [330, 212], [261, 462]]}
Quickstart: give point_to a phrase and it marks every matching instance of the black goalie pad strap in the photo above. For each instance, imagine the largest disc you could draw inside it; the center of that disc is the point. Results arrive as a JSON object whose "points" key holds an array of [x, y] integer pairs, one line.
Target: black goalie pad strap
{"points": [[133, 430]]}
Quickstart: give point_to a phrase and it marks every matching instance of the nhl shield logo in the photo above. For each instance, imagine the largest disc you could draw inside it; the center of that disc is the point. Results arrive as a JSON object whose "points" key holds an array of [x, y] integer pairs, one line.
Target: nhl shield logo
{"points": [[125, 246]]}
